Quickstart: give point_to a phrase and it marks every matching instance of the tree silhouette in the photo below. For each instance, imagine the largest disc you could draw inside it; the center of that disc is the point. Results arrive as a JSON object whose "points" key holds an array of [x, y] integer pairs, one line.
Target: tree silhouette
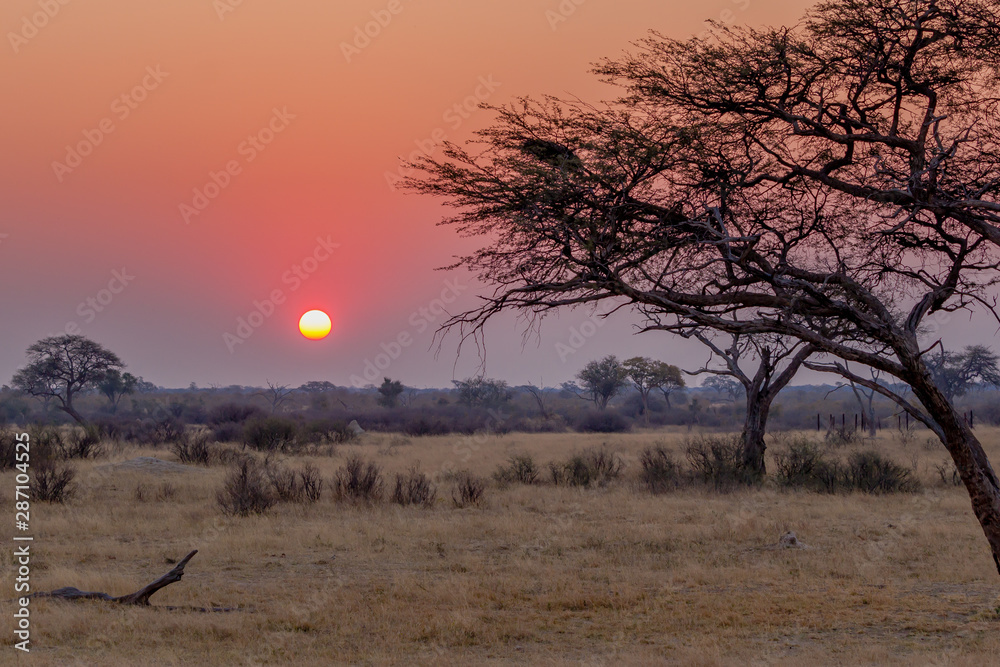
{"points": [[59, 367], [389, 392], [836, 183], [603, 379]]}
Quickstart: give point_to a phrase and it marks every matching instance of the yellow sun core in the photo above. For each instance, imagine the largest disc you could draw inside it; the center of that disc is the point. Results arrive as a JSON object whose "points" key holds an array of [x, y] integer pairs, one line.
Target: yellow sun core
{"points": [[315, 325]]}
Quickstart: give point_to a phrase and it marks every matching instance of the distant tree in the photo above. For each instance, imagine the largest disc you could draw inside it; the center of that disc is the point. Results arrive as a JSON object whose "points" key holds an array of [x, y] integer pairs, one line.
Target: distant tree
{"points": [[389, 392], [482, 392], [317, 387], [724, 386], [669, 380], [115, 385], [778, 359], [538, 393], [602, 380], [649, 374], [144, 387], [275, 394], [59, 367], [957, 372]]}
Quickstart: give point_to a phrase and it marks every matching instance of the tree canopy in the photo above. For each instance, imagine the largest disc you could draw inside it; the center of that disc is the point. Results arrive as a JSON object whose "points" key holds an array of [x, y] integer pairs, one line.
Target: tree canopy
{"points": [[835, 183], [61, 366]]}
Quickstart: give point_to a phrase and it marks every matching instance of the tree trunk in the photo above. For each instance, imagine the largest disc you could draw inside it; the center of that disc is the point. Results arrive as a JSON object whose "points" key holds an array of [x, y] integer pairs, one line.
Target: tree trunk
{"points": [[970, 459], [754, 428], [68, 408]]}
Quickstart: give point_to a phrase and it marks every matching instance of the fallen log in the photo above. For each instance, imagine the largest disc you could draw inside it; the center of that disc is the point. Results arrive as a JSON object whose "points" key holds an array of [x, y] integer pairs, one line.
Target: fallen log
{"points": [[140, 597]]}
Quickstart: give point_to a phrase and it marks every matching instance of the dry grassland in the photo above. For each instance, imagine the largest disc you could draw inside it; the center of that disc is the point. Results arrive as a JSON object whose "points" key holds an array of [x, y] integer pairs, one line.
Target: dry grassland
{"points": [[539, 574]]}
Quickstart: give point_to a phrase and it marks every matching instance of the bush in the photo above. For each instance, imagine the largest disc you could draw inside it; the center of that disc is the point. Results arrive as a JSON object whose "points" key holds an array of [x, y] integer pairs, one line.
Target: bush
{"points": [[358, 481], [234, 413], [227, 432], [948, 473], [284, 483], [51, 480], [521, 469], [468, 489], [718, 462], [194, 448], [594, 466], [83, 443], [8, 449], [873, 473], [660, 473], [604, 421], [802, 465], [245, 490], [46, 442], [311, 483], [422, 426], [334, 432], [269, 435], [414, 488]]}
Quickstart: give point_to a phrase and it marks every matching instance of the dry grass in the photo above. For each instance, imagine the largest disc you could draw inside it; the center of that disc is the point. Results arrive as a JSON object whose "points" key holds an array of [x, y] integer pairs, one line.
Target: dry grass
{"points": [[537, 574]]}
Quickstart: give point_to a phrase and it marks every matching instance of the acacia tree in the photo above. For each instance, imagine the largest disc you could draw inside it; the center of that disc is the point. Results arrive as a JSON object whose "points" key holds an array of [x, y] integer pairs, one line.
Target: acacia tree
{"points": [[602, 380], [115, 385], [957, 372], [389, 392], [778, 360], [669, 380], [61, 366], [649, 374], [834, 183]]}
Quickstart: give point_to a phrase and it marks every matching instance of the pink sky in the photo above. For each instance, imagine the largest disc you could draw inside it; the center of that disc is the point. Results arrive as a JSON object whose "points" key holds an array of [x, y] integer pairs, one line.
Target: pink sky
{"points": [[214, 149]]}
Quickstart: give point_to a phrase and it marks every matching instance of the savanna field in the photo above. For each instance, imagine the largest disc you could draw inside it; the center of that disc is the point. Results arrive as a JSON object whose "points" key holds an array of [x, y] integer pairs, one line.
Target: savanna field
{"points": [[606, 573]]}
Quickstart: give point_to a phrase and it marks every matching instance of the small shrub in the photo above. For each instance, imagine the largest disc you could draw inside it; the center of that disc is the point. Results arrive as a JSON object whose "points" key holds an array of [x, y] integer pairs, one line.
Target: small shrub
{"points": [[327, 431], [948, 473], [871, 472], [660, 473], [8, 449], [284, 483], [604, 421], [51, 480], [358, 481], [311, 483], [227, 432], [194, 448], [234, 413], [413, 488], [167, 491], [718, 462], [422, 426], [520, 468], [592, 467], [843, 436], [84, 443], [468, 489], [802, 465], [273, 434], [140, 493], [46, 442], [167, 430], [245, 490]]}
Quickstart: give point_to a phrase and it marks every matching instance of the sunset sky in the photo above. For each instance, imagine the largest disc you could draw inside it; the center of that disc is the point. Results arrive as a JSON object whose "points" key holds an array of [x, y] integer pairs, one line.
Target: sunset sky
{"points": [[174, 163]]}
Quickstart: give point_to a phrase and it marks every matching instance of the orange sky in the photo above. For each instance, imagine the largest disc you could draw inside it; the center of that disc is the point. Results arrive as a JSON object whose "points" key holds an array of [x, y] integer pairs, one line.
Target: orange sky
{"points": [[162, 95]]}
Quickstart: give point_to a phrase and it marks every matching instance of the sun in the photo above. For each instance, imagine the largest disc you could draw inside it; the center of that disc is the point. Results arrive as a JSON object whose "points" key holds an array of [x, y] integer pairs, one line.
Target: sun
{"points": [[315, 325]]}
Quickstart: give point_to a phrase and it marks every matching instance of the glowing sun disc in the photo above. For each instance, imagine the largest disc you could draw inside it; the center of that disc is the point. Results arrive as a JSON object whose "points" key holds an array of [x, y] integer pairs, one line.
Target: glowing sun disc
{"points": [[315, 325]]}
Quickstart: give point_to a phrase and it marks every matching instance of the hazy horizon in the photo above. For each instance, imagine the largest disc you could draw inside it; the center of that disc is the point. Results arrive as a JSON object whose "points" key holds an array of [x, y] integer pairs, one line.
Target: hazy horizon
{"points": [[169, 170]]}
